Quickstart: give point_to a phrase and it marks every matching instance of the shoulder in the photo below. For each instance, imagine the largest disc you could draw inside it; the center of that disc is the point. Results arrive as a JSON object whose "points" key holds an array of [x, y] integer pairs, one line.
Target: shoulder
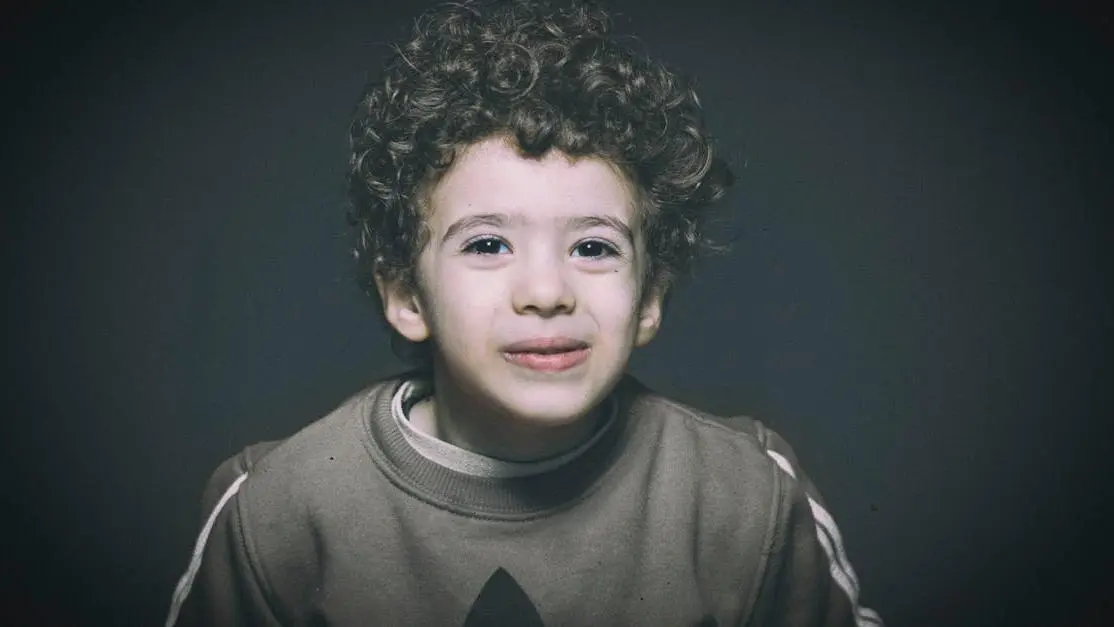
{"points": [[733, 443], [706, 427], [273, 493], [227, 478], [267, 473]]}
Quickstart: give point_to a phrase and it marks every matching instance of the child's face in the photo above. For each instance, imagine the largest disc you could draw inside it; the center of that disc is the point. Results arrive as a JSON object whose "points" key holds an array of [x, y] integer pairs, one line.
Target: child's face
{"points": [[524, 250]]}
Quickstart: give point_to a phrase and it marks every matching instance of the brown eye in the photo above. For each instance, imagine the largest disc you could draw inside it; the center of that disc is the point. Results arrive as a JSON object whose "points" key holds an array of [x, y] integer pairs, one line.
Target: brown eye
{"points": [[595, 249], [485, 246]]}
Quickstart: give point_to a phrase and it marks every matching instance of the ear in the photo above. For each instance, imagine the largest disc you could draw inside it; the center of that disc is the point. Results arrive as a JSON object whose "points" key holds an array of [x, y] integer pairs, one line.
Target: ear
{"points": [[403, 308], [650, 314]]}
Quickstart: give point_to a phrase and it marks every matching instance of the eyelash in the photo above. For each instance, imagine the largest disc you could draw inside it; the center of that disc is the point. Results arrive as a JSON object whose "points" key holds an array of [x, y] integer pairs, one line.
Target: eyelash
{"points": [[470, 245], [609, 250]]}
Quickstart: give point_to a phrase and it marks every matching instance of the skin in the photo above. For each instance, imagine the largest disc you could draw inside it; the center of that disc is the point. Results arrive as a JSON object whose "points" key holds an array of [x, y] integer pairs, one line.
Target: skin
{"points": [[562, 256]]}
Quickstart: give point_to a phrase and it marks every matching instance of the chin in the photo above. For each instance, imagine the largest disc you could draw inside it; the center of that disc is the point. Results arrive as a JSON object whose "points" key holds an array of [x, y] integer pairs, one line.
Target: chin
{"points": [[553, 402], [557, 413]]}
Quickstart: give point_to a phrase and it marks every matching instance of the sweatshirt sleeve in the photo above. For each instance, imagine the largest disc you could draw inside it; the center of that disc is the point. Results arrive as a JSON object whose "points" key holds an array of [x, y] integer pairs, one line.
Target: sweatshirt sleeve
{"points": [[809, 580], [220, 587]]}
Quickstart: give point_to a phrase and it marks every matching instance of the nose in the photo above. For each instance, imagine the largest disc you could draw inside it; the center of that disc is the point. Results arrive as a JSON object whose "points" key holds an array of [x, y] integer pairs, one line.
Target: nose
{"points": [[542, 288]]}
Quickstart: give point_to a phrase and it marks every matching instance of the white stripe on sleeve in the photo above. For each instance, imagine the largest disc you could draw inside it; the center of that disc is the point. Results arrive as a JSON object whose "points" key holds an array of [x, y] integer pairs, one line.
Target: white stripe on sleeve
{"points": [[839, 565], [186, 582]]}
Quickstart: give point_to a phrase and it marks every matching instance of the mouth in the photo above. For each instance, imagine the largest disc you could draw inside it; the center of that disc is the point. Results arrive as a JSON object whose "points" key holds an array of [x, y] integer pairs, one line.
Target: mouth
{"points": [[546, 346], [547, 354]]}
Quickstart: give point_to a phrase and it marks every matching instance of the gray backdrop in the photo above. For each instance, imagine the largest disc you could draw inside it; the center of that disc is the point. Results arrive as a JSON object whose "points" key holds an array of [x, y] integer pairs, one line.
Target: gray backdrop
{"points": [[916, 298]]}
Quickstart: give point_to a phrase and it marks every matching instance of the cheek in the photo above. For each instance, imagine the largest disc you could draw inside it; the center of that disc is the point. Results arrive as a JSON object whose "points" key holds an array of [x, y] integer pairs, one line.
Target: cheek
{"points": [[464, 301], [615, 304]]}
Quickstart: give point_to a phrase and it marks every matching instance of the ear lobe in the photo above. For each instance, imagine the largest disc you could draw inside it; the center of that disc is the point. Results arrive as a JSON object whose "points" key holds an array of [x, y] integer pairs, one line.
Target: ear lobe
{"points": [[650, 315], [402, 308]]}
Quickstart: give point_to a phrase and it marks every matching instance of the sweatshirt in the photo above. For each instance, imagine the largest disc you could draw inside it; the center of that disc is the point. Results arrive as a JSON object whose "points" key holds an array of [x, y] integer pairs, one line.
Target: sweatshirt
{"points": [[666, 516]]}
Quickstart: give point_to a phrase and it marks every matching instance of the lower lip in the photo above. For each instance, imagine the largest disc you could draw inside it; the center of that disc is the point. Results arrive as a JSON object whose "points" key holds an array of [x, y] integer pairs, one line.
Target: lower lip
{"points": [[549, 362]]}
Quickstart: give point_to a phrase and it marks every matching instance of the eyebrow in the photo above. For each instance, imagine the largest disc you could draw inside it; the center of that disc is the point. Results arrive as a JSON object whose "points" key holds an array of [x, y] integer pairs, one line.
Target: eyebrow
{"points": [[575, 223]]}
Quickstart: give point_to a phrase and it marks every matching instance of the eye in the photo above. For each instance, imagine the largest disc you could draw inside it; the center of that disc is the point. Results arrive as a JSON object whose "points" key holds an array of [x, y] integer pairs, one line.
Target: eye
{"points": [[595, 249], [486, 246]]}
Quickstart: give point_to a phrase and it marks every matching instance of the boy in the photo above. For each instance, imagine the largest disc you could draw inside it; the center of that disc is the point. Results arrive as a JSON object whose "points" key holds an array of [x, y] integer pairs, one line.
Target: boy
{"points": [[524, 191]]}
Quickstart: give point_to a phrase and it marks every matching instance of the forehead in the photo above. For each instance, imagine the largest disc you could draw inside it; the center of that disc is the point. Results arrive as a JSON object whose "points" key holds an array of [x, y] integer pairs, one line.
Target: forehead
{"points": [[491, 177]]}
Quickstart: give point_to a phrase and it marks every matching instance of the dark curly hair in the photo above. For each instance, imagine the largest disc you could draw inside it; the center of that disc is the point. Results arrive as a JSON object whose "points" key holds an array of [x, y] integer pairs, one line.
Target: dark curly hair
{"points": [[550, 78]]}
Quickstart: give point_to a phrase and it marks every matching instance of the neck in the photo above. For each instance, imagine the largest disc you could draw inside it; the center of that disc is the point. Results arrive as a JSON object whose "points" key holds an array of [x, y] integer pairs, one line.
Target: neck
{"points": [[464, 420]]}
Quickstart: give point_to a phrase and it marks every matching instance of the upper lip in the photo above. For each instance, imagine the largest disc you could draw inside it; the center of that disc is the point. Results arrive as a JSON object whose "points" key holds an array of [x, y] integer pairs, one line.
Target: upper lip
{"points": [[546, 345]]}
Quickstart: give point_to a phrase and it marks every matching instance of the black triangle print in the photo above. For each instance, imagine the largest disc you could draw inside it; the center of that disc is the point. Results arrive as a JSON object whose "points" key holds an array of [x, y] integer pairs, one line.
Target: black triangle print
{"points": [[503, 603]]}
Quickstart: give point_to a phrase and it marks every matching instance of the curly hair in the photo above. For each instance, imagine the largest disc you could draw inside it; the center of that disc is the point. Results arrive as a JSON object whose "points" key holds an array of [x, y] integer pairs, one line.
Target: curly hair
{"points": [[550, 78]]}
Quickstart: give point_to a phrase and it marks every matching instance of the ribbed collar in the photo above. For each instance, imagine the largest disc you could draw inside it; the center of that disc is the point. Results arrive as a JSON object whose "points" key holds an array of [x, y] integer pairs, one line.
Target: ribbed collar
{"points": [[496, 497], [471, 463]]}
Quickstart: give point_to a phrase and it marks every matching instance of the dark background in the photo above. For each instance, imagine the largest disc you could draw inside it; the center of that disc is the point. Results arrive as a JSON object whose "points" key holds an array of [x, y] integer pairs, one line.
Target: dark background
{"points": [[917, 296]]}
